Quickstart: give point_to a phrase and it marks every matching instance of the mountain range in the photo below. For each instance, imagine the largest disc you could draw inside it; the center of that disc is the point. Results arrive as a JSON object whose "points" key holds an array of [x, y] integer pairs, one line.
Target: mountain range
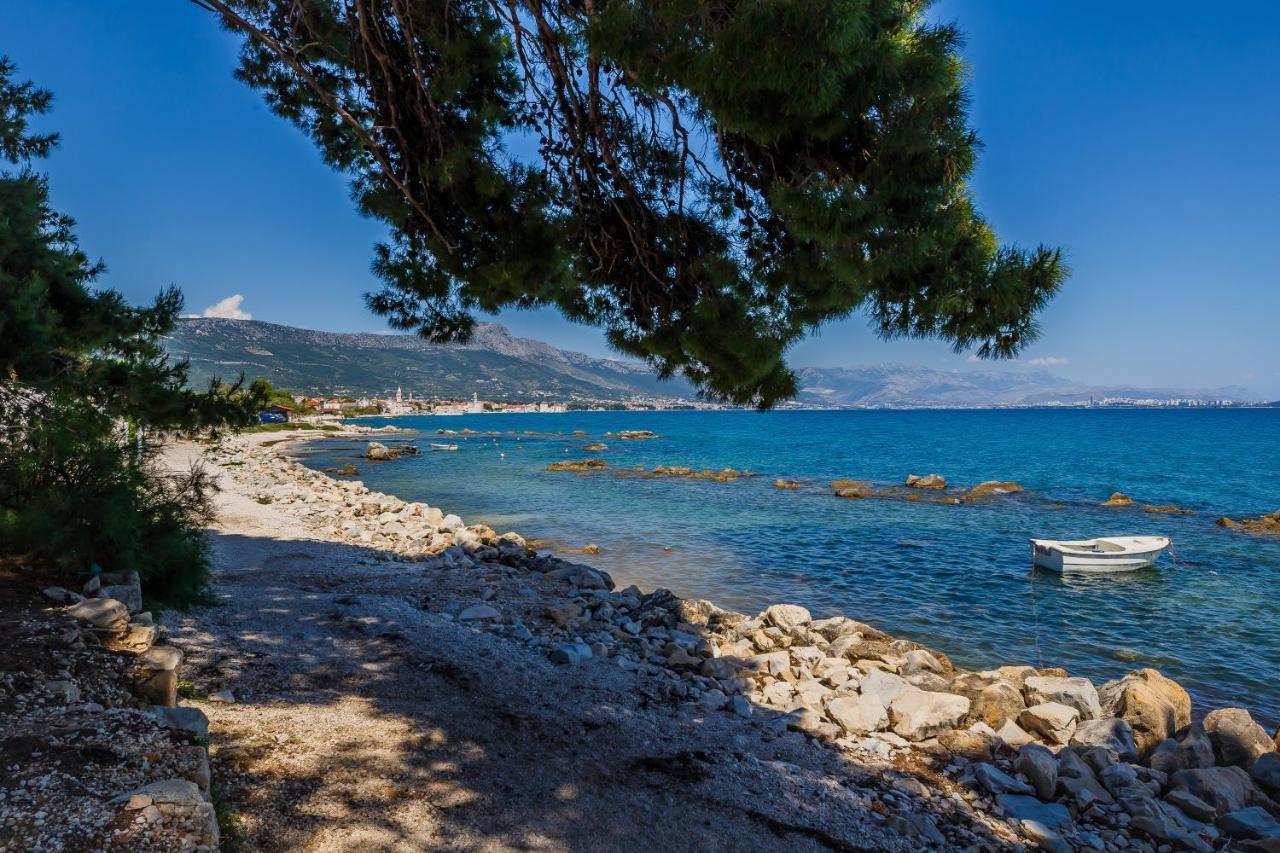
{"points": [[499, 366]]}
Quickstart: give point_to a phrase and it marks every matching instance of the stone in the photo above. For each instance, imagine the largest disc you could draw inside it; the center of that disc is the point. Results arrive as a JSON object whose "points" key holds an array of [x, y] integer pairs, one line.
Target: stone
{"points": [[1111, 734], [190, 720], [1250, 823], [1013, 735], [1191, 804], [1077, 779], [857, 714], [156, 675], [378, 451], [1237, 740], [883, 686], [1053, 721], [995, 781], [58, 595], [917, 714], [1040, 766], [1078, 693], [803, 720], [1266, 772], [125, 587], [65, 692], [971, 745], [567, 616], [1044, 822], [1118, 499], [1227, 789], [107, 613], [1154, 706], [569, 654], [997, 703], [787, 616], [740, 706], [478, 612], [927, 481], [921, 660], [770, 663], [1190, 751], [135, 638]]}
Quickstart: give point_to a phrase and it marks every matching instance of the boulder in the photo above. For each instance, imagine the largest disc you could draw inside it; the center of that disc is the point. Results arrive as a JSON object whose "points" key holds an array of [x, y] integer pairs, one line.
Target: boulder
{"points": [[1227, 789], [1118, 499], [1111, 734], [1040, 766], [1266, 772], [997, 703], [917, 714], [379, 452], [922, 660], [1154, 706], [995, 781], [1237, 740], [155, 676], [969, 744], [1191, 805], [1076, 779], [105, 613], [190, 720], [1078, 693], [1044, 822], [124, 586], [858, 714], [1013, 735], [1053, 721], [883, 686], [1191, 751], [928, 481], [787, 616], [1250, 823]]}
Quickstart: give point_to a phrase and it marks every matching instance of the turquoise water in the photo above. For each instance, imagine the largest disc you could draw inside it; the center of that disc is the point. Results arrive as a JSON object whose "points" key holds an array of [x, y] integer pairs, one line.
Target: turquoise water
{"points": [[956, 577]]}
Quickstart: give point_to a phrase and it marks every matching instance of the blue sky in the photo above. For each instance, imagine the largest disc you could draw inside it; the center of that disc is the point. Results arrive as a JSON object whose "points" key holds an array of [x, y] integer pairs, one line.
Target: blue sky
{"points": [[1141, 137]]}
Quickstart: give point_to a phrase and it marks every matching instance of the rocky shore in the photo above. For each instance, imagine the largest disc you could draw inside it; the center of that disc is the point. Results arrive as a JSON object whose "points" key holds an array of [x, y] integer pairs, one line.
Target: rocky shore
{"points": [[947, 758]]}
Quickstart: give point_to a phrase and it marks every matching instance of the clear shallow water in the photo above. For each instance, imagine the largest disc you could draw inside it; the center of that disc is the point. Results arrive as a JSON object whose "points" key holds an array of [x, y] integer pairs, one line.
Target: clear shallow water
{"points": [[956, 577]]}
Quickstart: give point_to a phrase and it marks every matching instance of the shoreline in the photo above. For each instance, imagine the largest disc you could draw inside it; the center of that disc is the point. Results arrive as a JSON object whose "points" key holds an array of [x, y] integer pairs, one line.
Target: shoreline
{"points": [[841, 686]]}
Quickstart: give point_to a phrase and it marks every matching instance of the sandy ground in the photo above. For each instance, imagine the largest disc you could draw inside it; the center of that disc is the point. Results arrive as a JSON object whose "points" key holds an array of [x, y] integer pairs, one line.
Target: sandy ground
{"points": [[363, 719]]}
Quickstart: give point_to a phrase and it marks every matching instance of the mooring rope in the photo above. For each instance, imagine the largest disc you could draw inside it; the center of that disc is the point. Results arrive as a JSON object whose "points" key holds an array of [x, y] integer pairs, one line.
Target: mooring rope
{"points": [[1035, 607]]}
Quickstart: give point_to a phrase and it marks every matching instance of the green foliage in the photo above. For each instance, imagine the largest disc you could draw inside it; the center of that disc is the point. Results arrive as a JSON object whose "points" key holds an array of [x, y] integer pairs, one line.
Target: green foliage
{"points": [[713, 179], [83, 382]]}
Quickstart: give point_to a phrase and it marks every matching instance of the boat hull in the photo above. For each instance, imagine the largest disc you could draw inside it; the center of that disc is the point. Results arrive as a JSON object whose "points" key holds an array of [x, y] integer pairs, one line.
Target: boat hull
{"points": [[1058, 558]]}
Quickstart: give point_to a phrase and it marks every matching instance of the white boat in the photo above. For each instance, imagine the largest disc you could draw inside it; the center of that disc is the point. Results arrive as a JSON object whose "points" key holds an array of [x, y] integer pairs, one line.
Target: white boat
{"points": [[1108, 554], [435, 446]]}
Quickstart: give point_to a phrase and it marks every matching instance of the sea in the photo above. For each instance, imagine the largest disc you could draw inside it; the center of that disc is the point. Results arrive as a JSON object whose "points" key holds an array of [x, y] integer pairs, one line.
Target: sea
{"points": [[955, 577]]}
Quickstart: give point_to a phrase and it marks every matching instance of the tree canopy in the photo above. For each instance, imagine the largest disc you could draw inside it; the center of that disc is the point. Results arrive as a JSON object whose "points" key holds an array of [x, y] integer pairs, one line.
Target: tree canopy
{"points": [[83, 376], [708, 180]]}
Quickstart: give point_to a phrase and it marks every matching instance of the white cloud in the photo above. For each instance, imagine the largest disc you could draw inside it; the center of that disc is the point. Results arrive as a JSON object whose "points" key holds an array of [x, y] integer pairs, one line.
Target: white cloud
{"points": [[229, 309], [1049, 361]]}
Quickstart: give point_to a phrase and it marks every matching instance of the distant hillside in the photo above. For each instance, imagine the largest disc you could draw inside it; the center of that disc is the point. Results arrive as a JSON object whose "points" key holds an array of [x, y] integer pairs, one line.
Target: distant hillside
{"points": [[495, 365], [498, 366], [906, 386]]}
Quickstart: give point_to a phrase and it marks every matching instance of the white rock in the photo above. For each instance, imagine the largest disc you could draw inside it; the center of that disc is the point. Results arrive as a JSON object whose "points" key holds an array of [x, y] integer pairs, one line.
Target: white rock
{"points": [[858, 714], [883, 686], [1051, 720], [918, 714], [787, 616], [1078, 693]]}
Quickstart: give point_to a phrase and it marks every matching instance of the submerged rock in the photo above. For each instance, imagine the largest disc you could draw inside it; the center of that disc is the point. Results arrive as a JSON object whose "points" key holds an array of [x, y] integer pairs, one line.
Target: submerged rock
{"points": [[577, 465], [993, 487], [928, 481], [1267, 525]]}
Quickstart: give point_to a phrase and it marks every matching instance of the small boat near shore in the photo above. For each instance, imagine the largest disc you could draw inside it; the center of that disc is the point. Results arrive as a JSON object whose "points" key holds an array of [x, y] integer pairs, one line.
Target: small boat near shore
{"points": [[1106, 554], [435, 446]]}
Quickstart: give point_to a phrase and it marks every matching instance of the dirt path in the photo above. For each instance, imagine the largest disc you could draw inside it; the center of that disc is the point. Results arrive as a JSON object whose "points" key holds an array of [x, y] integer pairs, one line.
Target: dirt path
{"points": [[365, 718]]}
